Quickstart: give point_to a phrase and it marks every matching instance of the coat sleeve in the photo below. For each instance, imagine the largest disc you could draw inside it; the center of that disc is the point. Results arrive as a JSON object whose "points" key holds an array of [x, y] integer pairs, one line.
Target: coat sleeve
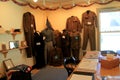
{"points": [[95, 20], [24, 23]]}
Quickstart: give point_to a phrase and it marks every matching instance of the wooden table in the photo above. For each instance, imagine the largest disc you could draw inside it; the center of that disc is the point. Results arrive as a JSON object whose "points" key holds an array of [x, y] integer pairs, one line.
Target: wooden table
{"points": [[95, 74], [114, 72]]}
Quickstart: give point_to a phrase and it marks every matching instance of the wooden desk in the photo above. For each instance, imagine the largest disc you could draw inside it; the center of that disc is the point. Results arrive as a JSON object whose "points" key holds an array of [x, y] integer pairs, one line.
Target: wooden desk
{"points": [[103, 71], [97, 75]]}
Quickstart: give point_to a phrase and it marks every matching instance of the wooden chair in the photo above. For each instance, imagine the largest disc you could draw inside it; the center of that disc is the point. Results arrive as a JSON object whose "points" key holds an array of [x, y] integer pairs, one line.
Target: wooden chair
{"points": [[19, 72]]}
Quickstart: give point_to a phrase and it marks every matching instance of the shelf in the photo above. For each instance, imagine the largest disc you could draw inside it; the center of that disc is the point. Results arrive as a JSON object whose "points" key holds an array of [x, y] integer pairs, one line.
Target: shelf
{"points": [[14, 34], [23, 47], [6, 51]]}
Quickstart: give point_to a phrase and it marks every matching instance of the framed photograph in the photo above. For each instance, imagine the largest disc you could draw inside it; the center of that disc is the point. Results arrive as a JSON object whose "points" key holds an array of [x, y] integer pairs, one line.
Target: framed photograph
{"points": [[3, 46], [23, 44], [8, 64], [13, 44]]}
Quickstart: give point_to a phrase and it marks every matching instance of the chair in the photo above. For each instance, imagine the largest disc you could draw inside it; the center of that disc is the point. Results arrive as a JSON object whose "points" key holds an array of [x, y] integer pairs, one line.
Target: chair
{"points": [[19, 72], [70, 64]]}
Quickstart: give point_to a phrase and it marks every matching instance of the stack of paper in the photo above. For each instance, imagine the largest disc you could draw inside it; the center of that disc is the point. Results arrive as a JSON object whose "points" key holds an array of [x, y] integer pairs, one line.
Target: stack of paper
{"points": [[81, 77], [92, 54], [88, 65]]}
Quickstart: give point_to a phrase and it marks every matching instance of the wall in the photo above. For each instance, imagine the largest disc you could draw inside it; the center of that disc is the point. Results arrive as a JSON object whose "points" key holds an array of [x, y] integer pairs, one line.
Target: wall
{"points": [[58, 17], [11, 17]]}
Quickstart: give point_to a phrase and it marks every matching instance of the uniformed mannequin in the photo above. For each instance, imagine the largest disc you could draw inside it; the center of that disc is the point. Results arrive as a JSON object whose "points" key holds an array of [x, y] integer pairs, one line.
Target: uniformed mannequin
{"points": [[65, 41], [29, 28], [49, 42], [89, 22], [39, 50], [48, 36], [75, 41], [57, 36]]}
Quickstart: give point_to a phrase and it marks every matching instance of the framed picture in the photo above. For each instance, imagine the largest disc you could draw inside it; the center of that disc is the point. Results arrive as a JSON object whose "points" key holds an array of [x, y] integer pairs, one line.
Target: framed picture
{"points": [[8, 64], [3, 46], [23, 44], [13, 44]]}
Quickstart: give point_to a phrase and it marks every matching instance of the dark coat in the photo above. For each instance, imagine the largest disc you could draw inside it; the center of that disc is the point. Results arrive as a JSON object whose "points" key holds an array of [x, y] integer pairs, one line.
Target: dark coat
{"points": [[39, 50], [65, 41]]}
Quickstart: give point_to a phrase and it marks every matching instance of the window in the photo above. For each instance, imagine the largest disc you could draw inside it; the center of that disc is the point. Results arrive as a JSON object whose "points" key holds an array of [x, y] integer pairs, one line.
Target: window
{"points": [[109, 22]]}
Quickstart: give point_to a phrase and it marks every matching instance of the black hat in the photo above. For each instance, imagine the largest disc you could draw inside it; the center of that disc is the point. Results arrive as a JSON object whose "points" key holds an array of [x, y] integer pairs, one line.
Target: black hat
{"points": [[48, 24]]}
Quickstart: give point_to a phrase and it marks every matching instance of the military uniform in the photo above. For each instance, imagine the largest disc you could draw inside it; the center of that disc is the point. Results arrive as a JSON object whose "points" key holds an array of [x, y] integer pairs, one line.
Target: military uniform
{"points": [[75, 41], [65, 41], [57, 36], [39, 50], [49, 42], [29, 28], [56, 57], [89, 22], [73, 23]]}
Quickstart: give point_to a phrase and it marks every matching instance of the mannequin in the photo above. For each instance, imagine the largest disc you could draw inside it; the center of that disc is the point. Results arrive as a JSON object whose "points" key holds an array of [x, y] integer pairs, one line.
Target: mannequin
{"points": [[39, 50], [49, 42], [57, 36], [65, 41], [73, 23], [75, 40]]}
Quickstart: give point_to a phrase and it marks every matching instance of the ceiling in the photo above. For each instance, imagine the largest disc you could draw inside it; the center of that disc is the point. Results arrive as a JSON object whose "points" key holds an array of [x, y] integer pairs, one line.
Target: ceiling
{"points": [[56, 4]]}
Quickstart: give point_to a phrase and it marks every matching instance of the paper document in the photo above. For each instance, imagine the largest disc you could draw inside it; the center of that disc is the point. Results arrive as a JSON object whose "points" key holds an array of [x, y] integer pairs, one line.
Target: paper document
{"points": [[81, 77], [88, 65], [92, 54]]}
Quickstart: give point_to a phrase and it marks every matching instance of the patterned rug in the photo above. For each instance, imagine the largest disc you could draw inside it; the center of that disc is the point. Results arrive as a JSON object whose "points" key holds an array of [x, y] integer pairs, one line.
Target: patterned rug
{"points": [[50, 73]]}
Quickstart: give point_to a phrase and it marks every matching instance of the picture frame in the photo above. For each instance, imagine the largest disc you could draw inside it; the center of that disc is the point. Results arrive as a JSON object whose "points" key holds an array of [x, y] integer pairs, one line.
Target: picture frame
{"points": [[23, 44], [8, 64], [13, 44]]}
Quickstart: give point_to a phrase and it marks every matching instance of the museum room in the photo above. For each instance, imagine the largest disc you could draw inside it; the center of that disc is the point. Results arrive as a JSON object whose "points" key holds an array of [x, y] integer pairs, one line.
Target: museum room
{"points": [[59, 39]]}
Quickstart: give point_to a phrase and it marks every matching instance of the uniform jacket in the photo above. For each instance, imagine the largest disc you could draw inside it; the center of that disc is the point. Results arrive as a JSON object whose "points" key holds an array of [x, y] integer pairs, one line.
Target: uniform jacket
{"points": [[73, 23], [49, 35], [57, 35], [89, 18], [28, 22], [29, 28]]}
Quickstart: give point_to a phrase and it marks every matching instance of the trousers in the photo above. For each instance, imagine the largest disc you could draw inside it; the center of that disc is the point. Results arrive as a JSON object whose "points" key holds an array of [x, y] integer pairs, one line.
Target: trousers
{"points": [[89, 34], [48, 48]]}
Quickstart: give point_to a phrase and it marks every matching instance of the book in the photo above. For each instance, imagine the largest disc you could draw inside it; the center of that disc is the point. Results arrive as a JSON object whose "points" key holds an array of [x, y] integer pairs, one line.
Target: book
{"points": [[88, 65]]}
